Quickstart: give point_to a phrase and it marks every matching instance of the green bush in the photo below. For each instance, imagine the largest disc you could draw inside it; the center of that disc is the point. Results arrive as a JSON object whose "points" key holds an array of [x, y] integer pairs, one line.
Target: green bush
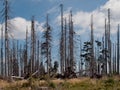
{"points": [[52, 85], [109, 84]]}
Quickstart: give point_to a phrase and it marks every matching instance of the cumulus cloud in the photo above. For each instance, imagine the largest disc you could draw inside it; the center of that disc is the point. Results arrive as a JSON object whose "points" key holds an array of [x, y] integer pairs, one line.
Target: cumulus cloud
{"points": [[82, 19], [18, 26]]}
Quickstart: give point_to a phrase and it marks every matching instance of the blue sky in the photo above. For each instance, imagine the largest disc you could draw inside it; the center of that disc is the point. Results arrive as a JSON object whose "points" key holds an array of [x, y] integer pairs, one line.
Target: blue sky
{"points": [[23, 10], [28, 8]]}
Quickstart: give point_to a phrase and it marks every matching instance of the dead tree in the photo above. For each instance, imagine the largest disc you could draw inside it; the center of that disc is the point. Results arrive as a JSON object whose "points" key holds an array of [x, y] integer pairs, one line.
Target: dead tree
{"points": [[46, 45], [65, 37], [38, 56], [100, 57], [33, 44], [71, 43], [105, 50], [26, 55], [89, 54], [81, 61], [115, 58], [109, 42], [15, 61], [92, 62], [21, 54], [2, 69], [6, 16], [6, 39], [62, 59], [118, 50]]}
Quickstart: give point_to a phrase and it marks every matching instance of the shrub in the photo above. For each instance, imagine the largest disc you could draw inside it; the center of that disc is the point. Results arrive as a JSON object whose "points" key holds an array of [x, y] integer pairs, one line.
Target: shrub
{"points": [[109, 84], [52, 85]]}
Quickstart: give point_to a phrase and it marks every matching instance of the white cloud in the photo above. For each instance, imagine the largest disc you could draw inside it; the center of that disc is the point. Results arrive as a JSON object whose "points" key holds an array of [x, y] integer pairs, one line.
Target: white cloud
{"points": [[19, 25], [82, 19]]}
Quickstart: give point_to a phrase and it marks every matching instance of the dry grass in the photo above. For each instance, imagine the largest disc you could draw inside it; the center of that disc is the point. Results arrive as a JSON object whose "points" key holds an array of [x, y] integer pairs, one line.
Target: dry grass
{"points": [[67, 84], [26, 84], [72, 81], [3, 83]]}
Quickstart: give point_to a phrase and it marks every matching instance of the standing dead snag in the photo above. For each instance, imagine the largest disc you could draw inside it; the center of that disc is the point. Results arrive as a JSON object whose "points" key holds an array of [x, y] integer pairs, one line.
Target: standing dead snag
{"points": [[2, 69], [105, 49], [115, 58], [109, 42], [89, 53], [46, 45], [65, 51], [68, 56], [15, 60], [81, 61], [38, 56], [113, 49], [33, 44], [6, 36], [62, 58], [26, 55], [71, 43], [118, 51], [92, 59], [5, 14]]}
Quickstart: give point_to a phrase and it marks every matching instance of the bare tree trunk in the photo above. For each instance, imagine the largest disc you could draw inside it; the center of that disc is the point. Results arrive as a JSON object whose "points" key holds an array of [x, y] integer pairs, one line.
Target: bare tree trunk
{"points": [[2, 69], [106, 60], [38, 55], [6, 40], [62, 43], [118, 50], [65, 45], [109, 41], [92, 62], [115, 59], [26, 55], [32, 46], [71, 41]]}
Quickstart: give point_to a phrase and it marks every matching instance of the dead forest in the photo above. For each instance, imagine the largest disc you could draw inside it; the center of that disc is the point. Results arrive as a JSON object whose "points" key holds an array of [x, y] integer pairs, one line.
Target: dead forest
{"points": [[33, 57]]}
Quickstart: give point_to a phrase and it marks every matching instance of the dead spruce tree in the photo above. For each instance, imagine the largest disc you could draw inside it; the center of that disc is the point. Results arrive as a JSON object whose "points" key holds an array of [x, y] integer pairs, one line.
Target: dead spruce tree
{"points": [[62, 45], [118, 55], [2, 69], [26, 54], [6, 17], [89, 53], [71, 43], [46, 45], [33, 46]]}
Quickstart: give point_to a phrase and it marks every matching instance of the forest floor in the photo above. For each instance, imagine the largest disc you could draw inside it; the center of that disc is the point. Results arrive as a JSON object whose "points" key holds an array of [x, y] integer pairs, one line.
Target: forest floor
{"points": [[105, 83]]}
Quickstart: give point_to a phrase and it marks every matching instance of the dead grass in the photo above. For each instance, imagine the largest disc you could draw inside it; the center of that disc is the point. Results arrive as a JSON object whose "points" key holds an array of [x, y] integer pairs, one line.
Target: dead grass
{"points": [[71, 84], [3, 83]]}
